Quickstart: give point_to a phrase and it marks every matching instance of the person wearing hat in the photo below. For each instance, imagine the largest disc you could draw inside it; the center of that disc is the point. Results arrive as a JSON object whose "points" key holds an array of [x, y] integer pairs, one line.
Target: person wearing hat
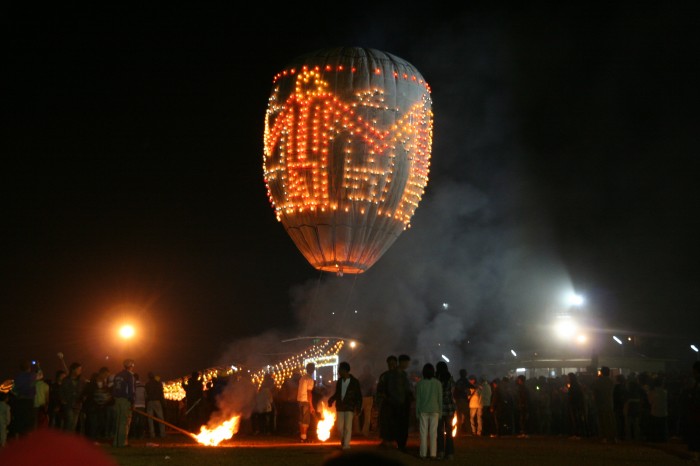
{"points": [[123, 392]]}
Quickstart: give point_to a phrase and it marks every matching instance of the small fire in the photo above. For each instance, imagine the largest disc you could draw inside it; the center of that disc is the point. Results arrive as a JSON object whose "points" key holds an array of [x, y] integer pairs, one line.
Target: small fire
{"points": [[217, 434], [454, 425], [325, 424]]}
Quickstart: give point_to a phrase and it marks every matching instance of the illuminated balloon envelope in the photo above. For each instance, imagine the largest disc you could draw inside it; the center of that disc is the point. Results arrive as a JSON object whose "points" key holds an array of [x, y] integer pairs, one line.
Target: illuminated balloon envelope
{"points": [[348, 134]]}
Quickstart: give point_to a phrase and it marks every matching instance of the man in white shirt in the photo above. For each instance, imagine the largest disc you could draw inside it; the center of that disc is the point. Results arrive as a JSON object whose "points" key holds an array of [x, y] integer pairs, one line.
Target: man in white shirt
{"points": [[305, 400]]}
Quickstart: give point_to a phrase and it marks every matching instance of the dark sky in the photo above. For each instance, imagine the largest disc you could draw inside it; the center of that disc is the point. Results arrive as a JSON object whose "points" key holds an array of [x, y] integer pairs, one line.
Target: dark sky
{"points": [[564, 158]]}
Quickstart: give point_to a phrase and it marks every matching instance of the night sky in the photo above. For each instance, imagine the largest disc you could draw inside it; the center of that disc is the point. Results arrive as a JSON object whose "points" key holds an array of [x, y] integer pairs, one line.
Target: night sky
{"points": [[564, 159]]}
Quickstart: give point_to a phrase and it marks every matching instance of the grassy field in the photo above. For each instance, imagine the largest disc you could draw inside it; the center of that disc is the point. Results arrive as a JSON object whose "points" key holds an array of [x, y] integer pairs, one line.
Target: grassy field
{"points": [[177, 450]]}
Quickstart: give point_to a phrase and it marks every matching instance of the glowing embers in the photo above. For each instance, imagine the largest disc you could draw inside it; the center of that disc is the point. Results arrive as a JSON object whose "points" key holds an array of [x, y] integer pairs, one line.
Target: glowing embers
{"points": [[213, 435]]}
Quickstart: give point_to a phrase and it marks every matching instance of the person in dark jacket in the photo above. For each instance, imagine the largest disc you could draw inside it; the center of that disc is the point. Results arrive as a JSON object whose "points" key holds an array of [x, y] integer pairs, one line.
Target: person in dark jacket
{"points": [[348, 399]]}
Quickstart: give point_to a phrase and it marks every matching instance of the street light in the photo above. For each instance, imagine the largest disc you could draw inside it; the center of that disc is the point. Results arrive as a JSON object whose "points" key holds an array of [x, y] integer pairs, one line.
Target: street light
{"points": [[565, 327], [127, 331], [574, 299]]}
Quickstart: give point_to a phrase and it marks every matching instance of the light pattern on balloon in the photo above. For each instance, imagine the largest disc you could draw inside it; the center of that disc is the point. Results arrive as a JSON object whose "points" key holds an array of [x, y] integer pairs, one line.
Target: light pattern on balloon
{"points": [[348, 134]]}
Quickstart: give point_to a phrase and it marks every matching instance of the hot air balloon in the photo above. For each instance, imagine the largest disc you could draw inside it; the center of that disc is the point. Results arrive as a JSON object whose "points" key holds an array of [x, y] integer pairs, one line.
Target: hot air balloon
{"points": [[348, 134]]}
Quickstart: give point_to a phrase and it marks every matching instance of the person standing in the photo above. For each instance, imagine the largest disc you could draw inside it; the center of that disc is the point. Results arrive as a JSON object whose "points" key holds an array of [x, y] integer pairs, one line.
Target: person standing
{"points": [[603, 389], [445, 442], [348, 399], [462, 401], [155, 399], [138, 421], [690, 401], [485, 406], [72, 397], [194, 400], [428, 411], [361, 423], [24, 391], [404, 398], [264, 404], [620, 396], [123, 391], [41, 403], [658, 401], [496, 408], [387, 422], [55, 408], [475, 406], [576, 406], [5, 418], [305, 401]]}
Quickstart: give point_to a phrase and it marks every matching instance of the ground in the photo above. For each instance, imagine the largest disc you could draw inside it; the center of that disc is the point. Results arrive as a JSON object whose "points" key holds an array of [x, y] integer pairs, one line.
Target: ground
{"points": [[177, 450]]}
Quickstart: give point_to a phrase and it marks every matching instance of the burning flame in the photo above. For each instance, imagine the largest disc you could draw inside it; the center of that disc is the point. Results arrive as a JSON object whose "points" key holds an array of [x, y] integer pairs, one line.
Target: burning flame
{"points": [[325, 424], [454, 425], [217, 434]]}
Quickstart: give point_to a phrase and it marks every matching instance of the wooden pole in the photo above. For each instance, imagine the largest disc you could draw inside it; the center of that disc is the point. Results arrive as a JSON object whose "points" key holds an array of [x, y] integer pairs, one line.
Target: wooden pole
{"points": [[189, 434]]}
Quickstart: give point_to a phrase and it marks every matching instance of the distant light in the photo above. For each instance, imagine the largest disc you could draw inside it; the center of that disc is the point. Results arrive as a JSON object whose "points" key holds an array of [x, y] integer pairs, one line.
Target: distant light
{"points": [[694, 348], [352, 344], [582, 338], [445, 305], [235, 368], [565, 327], [445, 358], [514, 353], [355, 311], [575, 299], [520, 369], [629, 338], [619, 342], [127, 331]]}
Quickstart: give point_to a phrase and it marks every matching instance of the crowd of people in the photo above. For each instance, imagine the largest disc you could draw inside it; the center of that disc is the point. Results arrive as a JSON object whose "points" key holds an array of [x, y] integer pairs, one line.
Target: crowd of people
{"points": [[608, 406], [104, 407]]}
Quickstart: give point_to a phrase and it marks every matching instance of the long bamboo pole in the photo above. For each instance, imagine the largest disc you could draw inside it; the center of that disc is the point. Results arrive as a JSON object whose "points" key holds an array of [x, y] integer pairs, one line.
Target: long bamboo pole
{"points": [[188, 433]]}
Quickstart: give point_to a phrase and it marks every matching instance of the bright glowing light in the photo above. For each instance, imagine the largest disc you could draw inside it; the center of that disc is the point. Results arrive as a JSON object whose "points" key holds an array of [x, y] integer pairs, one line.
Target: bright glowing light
{"points": [[575, 299], [445, 306], [445, 358], [217, 434], [127, 331], [565, 327], [694, 348], [353, 344], [325, 424], [454, 424], [619, 342], [520, 370], [581, 339], [514, 353]]}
